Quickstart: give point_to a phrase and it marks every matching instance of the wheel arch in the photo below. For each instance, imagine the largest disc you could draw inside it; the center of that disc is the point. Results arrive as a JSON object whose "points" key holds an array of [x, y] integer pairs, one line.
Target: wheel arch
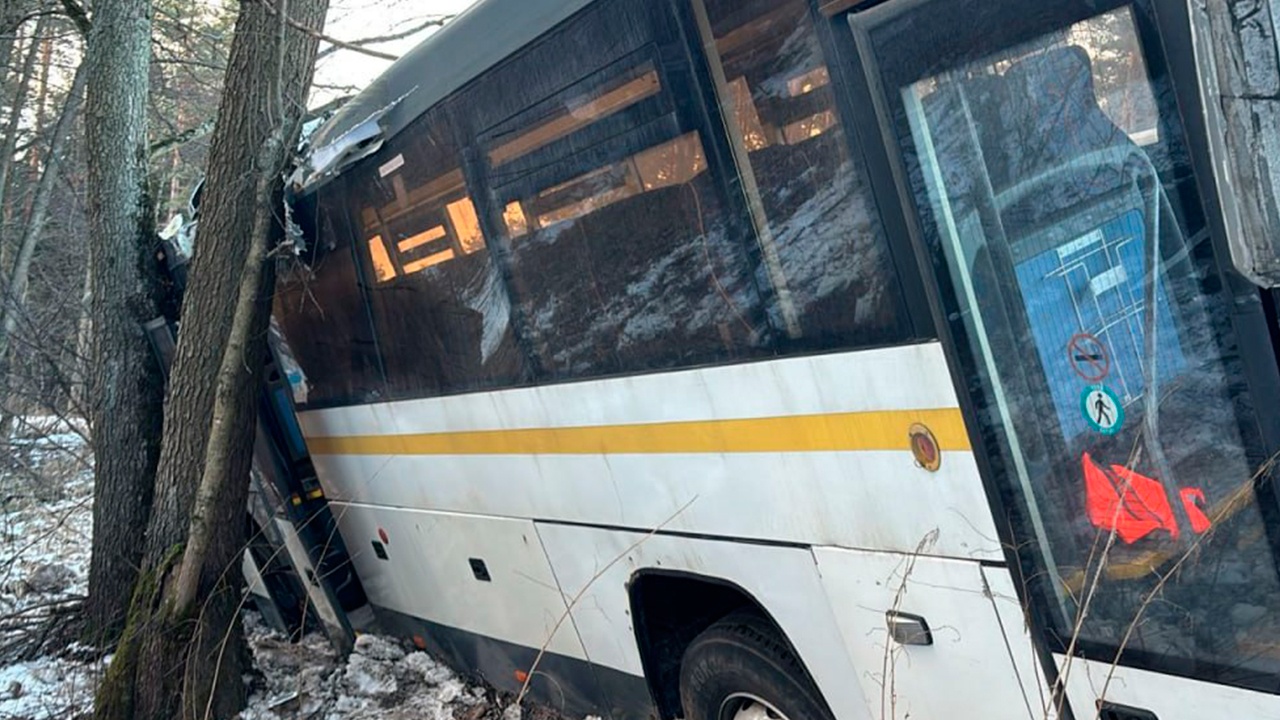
{"points": [[669, 608]]}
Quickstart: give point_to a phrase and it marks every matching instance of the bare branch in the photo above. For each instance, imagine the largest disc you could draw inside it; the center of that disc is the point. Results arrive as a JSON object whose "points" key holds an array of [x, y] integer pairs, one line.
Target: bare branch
{"points": [[433, 21], [196, 132], [331, 40]]}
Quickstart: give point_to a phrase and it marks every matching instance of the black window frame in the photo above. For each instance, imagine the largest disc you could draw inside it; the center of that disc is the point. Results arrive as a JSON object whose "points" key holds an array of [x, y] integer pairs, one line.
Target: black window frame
{"points": [[688, 94]]}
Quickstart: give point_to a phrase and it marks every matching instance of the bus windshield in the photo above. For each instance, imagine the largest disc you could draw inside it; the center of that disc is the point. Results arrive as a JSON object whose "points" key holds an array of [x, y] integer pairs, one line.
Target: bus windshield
{"points": [[1054, 176]]}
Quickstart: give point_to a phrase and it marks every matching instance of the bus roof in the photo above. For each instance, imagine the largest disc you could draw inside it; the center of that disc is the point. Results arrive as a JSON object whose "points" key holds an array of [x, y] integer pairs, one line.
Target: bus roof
{"points": [[476, 40]]}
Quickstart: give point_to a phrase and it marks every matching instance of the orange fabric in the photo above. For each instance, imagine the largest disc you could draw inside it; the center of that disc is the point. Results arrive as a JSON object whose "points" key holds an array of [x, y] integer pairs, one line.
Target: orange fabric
{"points": [[1134, 505], [1192, 500]]}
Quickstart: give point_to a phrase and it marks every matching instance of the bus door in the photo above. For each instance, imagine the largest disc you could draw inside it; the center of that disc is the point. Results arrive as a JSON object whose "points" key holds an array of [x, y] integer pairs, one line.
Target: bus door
{"points": [[1118, 375]]}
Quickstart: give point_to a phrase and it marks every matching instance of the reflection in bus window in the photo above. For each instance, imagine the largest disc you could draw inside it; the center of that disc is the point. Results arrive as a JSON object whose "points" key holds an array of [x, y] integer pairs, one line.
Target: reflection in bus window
{"points": [[438, 303], [320, 309], [1120, 74], [579, 111], [818, 213], [623, 253], [413, 248], [1110, 375], [672, 163]]}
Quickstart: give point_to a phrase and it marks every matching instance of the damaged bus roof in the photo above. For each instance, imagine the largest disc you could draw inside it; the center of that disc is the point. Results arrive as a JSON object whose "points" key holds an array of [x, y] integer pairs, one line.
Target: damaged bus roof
{"points": [[465, 47]]}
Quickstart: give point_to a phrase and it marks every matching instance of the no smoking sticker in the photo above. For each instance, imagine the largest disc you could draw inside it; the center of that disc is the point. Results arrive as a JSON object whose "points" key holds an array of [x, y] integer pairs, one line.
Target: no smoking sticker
{"points": [[1089, 358], [1102, 409]]}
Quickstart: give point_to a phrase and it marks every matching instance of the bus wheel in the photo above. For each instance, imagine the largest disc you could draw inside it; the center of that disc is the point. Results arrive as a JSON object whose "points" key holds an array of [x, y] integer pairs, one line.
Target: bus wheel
{"points": [[741, 668]]}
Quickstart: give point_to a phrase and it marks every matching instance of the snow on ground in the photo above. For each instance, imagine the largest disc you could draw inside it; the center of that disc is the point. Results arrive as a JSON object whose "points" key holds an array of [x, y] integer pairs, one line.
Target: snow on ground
{"points": [[46, 521], [380, 680], [47, 688], [45, 531]]}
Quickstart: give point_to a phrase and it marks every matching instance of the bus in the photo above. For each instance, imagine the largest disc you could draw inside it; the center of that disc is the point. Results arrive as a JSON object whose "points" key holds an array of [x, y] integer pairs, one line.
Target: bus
{"points": [[797, 359]]}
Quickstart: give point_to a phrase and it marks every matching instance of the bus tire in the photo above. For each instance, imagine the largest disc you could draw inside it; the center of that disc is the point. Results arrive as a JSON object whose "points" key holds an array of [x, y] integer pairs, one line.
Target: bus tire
{"points": [[741, 668]]}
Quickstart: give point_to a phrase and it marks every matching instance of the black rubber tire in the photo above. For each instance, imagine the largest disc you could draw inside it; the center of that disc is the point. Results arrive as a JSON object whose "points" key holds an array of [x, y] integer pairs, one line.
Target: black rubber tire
{"points": [[745, 653]]}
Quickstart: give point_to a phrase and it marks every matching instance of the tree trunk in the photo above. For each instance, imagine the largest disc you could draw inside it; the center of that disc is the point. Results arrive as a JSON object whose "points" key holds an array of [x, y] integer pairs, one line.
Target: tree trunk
{"points": [[126, 388], [33, 230], [79, 400], [9, 142], [1238, 51], [34, 226], [42, 102], [182, 653]]}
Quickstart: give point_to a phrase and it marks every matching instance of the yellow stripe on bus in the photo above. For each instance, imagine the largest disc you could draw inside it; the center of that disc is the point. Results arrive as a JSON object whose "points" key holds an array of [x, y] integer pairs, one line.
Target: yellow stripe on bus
{"points": [[875, 430]]}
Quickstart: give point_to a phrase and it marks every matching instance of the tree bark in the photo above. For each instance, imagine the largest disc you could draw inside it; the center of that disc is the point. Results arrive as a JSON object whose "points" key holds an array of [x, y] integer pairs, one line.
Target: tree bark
{"points": [[33, 228], [15, 297], [1238, 50], [10, 140], [182, 653], [126, 388]]}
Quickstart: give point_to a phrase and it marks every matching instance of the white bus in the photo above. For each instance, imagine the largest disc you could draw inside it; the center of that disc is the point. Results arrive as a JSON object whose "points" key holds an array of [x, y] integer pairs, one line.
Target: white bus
{"points": [[803, 359]]}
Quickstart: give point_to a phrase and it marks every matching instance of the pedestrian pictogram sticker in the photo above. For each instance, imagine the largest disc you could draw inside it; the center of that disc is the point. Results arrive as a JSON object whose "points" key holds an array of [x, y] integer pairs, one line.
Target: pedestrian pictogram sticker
{"points": [[1102, 409], [1089, 357]]}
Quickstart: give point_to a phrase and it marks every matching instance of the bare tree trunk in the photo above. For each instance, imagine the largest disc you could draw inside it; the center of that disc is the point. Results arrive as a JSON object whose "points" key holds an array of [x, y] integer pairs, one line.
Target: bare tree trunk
{"points": [[42, 101], [15, 298], [34, 225], [11, 131], [84, 339], [126, 390], [182, 653]]}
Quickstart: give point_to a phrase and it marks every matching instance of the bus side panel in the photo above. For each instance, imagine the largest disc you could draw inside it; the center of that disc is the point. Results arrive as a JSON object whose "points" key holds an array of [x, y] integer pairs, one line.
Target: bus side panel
{"points": [[782, 580], [961, 664], [476, 591], [1170, 698], [630, 465]]}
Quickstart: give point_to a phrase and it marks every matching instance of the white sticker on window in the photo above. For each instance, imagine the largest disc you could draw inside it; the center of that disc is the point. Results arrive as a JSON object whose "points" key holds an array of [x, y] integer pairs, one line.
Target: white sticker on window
{"points": [[391, 166]]}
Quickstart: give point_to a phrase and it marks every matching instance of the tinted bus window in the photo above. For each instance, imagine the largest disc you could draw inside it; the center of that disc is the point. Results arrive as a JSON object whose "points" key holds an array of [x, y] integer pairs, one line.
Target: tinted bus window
{"points": [[622, 253], [322, 313], [439, 305], [820, 228]]}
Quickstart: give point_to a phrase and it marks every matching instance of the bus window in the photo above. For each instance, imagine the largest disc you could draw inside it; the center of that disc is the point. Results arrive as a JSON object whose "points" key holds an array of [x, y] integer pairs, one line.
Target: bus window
{"points": [[321, 311], [620, 250], [438, 303], [819, 216], [1098, 338]]}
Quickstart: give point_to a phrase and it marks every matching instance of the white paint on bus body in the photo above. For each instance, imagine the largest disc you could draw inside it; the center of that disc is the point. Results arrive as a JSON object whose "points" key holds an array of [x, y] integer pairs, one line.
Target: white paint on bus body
{"points": [[427, 575], [1167, 696], [870, 499], [968, 671], [784, 581], [439, 509], [912, 376]]}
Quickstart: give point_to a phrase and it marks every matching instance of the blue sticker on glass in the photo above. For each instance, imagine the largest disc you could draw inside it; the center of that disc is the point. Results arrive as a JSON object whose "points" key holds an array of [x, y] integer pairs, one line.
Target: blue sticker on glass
{"points": [[1102, 409]]}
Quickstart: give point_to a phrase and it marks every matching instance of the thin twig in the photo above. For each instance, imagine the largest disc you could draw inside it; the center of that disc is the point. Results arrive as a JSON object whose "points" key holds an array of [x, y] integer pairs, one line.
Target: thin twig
{"points": [[524, 688]]}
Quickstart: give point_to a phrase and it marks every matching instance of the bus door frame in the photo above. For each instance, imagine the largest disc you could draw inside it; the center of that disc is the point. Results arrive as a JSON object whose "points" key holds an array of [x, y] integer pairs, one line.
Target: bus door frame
{"points": [[1257, 330]]}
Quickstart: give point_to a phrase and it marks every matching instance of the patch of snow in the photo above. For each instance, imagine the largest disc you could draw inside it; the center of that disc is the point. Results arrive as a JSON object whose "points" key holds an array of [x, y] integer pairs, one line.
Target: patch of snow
{"points": [[46, 524], [47, 688], [381, 679], [46, 519]]}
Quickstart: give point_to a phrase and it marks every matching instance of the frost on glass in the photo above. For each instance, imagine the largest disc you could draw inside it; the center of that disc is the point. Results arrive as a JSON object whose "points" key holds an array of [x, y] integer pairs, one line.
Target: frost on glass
{"points": [[1056, 185]]}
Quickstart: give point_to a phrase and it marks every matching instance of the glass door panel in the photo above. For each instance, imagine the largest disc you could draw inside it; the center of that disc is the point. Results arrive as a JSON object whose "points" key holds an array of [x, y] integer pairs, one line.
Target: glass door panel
{"points": [[1043, 153]]}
